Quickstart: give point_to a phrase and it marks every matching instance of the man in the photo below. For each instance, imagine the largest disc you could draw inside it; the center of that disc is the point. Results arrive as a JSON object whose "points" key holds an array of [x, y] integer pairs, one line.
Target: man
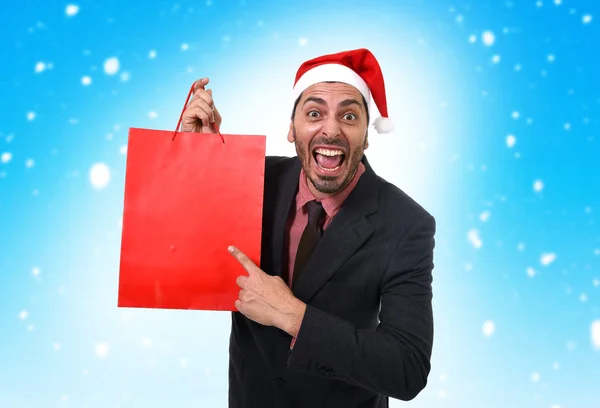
{"points": [[356, 327]]}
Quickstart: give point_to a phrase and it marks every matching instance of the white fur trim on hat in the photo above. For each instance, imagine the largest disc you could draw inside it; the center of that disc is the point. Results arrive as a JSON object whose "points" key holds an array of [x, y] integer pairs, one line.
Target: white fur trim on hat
{"points": [[331, 72], [383, 125]]}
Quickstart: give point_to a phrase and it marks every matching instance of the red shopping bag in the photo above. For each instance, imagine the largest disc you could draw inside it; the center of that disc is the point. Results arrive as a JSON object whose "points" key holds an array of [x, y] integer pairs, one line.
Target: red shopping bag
{"points": [[188, 196]]}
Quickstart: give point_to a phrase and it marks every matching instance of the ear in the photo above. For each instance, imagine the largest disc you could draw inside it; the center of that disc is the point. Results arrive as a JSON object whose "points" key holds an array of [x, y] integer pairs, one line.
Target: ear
{"points": [[290, 136], [367, 140]]}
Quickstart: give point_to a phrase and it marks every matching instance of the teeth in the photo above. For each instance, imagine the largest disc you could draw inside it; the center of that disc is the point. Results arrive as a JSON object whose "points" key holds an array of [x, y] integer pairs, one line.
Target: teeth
{"points": [[323, 168], [327, 152]]}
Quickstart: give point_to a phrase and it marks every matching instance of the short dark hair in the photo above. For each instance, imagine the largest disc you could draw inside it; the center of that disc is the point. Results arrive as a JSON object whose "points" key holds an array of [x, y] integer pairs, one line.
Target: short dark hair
{"points": [[331, 82]]}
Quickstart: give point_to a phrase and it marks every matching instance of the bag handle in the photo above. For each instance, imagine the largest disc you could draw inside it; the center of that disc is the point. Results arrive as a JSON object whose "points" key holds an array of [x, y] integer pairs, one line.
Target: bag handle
{"points": [[216, 125]]}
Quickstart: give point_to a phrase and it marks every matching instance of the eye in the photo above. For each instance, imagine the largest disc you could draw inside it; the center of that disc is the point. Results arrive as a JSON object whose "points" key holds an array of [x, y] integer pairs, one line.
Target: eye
{"points": [[313, 114], [350, 116]]}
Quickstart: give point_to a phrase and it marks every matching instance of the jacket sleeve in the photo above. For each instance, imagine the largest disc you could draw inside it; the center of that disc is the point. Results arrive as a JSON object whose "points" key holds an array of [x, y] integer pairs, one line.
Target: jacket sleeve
{"points": [[394, 358]]}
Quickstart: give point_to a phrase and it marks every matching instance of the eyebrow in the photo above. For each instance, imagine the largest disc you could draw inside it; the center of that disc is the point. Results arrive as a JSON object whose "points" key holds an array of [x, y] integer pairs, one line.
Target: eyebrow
{"points": [[342, 104]]}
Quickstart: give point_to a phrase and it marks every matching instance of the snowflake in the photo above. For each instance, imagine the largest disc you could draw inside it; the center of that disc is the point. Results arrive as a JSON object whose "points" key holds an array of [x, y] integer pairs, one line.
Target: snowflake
{"points": [[72, 10], [489, 327], [547, 258], [488, 38], [111, 66], [99, 175]]}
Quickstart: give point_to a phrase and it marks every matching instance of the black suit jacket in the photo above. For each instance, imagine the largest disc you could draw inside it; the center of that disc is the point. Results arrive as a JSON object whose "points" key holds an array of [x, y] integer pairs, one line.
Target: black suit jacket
{"points": [[368, 329]]}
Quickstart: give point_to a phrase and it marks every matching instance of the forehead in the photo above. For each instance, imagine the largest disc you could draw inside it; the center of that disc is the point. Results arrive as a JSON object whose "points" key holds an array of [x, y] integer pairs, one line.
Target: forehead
{"points": [[332, 92]]}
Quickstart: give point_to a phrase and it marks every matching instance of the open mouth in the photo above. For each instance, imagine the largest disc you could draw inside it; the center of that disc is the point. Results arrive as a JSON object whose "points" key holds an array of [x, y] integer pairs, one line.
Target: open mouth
{"points": [[329, 160]]}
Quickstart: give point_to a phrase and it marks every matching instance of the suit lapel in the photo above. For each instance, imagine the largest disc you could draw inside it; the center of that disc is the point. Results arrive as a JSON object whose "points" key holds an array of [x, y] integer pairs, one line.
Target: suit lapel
{"points": [[345, 235], [287, 187]]}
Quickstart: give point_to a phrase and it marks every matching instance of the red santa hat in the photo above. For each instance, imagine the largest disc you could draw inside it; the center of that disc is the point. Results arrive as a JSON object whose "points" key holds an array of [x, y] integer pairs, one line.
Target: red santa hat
{"points": [[358, 68]]}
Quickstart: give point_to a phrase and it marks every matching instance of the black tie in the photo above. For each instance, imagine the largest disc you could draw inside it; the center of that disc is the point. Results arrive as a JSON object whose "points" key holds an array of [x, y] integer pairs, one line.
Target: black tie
{"points": [[310, 237]]}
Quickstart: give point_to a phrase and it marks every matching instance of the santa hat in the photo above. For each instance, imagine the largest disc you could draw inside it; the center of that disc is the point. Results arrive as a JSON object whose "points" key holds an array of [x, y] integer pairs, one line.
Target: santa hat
{"points": [[358, 68]]}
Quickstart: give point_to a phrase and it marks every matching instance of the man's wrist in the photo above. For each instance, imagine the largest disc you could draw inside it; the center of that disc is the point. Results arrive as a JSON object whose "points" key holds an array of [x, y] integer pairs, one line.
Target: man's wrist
{"points": [[292, 320]]}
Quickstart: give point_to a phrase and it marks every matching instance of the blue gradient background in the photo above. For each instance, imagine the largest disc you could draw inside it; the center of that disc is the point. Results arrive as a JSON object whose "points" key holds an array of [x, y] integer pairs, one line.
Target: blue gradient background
{"points": [[64, 342]]}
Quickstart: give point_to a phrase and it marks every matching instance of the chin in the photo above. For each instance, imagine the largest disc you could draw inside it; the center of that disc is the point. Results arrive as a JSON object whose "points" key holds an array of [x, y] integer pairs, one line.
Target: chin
{"points": [[325, 182]]}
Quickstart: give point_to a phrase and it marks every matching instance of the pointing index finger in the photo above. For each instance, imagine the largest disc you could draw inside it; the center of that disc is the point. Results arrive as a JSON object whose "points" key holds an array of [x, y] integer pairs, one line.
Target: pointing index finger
{"points": [[242, 259]]}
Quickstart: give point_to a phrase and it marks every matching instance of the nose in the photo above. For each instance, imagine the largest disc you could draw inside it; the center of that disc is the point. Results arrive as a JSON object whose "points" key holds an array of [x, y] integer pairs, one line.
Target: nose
{"points": [[331, 127]]}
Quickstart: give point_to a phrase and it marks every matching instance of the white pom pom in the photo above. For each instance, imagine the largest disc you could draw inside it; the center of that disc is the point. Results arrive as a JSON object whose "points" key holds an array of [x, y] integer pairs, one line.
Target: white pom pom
{"points": [[383, 125]]}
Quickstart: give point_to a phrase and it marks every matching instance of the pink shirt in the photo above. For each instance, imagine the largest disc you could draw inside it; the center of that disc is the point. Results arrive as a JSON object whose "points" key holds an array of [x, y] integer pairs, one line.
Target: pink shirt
{"points": [[299, 219]]}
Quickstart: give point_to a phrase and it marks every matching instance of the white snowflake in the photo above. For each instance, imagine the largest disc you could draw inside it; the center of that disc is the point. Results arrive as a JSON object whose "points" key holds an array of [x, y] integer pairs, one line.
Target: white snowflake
{"points": [[530, 272], [56, 346], [146, 342], [489, 327], [495, 59], [6, 157], [71, 10], [23, 314], [31, 327], [538, 186], [518, 67], [442, 394], [86, 80], [36, 271], [302, 42], [535, 377], [185, 47], [567, 126], [586, 19], [597, 251], [558, 2], [152, 54], [488, 38], [29, 163], [547, 258], [30, 116], [101, 350], [583, 298], [595, 333], [183, 362], [152, 115], [596, 282], [64, 398], [472, 38], [551, 58], [40, 67], [555, 366], [99, 175], [460, 19], [515, 115], [474, 238], [521, 246], [111, 66], [123, 149], [125, 76], [484, 216], [511, 140]]}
